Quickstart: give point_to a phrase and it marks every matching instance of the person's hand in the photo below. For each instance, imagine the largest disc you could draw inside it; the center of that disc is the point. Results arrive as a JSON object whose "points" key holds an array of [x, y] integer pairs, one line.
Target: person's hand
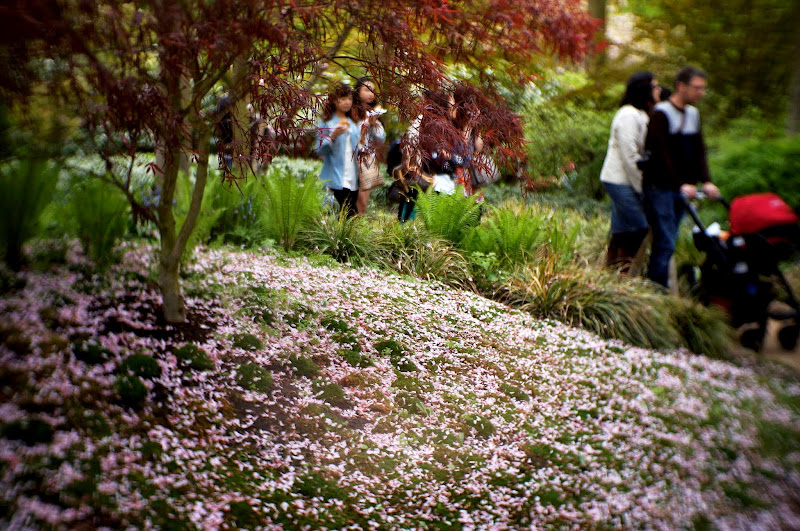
{"points": [[689, 190], [711, 190], [340, 129]]}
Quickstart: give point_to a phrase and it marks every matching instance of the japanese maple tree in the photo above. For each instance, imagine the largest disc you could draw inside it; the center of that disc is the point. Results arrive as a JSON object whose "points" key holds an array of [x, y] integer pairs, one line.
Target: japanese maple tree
{"points": [[145, 69]]}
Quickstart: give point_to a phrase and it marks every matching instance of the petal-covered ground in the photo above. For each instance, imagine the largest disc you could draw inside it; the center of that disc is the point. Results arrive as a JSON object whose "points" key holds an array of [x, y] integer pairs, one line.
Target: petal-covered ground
{"points": [[323, 396]]}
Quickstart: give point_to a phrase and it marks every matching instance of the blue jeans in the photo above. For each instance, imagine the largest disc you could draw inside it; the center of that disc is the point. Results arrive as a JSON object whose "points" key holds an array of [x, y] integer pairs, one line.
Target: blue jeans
{"points": [[664, 210], [627, 210]]}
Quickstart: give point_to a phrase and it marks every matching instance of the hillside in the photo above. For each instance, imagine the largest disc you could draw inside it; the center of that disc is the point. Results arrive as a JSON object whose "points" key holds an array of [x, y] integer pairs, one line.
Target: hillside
{"points": [[323, 396]]}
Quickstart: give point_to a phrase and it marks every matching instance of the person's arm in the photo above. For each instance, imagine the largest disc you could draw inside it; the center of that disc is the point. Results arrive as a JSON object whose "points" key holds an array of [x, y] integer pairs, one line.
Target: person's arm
{"points": [[377, 132]]}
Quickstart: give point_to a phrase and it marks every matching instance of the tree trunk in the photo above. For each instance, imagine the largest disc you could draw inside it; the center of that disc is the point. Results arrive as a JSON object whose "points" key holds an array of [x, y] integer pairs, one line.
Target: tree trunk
{"points": [[173, 243], [793, 116], [597, 8]]}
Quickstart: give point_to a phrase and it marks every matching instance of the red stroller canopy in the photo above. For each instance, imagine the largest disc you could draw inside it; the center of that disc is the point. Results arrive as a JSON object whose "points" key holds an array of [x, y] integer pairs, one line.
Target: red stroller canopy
{"points": [[750, 214]]}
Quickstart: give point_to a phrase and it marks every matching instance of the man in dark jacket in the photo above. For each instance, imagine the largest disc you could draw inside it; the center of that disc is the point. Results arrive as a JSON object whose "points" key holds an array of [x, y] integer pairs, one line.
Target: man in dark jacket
{"points": [[677, 164]]}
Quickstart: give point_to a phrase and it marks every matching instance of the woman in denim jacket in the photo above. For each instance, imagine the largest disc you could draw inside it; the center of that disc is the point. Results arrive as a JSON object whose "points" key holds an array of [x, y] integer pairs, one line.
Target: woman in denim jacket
{"points": [[337, 143]]}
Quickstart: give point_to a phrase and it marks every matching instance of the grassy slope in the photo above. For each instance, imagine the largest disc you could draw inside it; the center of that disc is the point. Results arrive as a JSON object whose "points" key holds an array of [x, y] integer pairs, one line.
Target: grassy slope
{"points": [[385, 402]]}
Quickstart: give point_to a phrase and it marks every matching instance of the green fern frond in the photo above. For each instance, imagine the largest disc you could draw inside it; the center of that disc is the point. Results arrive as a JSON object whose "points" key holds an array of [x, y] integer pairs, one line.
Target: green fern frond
{"points": [[291, 205], [450, 216]]}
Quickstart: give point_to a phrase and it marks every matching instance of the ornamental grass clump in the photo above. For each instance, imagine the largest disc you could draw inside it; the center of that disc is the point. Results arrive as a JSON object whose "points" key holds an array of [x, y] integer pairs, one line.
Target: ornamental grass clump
{"points": [[99, 215], [411, 249], [346, 239], [26, 188], [703, 329], [597, 300]]}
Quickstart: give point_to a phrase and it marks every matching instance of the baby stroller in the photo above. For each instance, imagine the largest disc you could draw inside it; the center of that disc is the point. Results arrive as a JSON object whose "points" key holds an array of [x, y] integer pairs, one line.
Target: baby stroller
{"points": [[741, 272]]}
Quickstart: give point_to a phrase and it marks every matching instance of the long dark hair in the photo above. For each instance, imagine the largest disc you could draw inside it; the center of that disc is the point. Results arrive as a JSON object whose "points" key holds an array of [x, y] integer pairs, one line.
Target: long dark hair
{"points": [[336, 91], [360, 108], [639, 91]]}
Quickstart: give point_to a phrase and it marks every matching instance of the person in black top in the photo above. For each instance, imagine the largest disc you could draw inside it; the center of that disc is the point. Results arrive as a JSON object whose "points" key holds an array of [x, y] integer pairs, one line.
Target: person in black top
{"points": [[677, 163]]}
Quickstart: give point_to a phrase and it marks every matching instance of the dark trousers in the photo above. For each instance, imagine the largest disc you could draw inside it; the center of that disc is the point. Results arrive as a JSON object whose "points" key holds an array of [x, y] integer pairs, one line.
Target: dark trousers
{"points": [[664, 209], [347, 200]]}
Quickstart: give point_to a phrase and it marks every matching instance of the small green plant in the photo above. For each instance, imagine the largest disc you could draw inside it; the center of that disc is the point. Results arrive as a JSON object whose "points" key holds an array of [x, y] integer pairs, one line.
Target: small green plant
{"points": [[514, 392], [28, 430], [131, 390], [303, 366], [412, 403], [140, 365], [482, 426], [243, 515], [254, 377], [335, 325], [247, 341], [26, 188], [330, 392], [356, 358], [194, 357], [90, 352]]}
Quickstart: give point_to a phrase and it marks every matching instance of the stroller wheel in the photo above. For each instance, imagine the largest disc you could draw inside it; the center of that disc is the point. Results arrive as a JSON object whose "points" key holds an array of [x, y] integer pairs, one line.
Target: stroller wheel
{"points": [[787, 336], [753, 339]]}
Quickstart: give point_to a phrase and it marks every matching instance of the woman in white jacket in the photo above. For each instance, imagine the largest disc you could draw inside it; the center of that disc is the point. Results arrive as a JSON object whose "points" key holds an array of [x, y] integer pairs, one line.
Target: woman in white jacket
{"points": [[621, 176]]}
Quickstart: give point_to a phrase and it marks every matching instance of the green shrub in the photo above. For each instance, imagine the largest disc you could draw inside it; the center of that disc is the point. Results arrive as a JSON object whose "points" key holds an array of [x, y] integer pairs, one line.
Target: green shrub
{"points": [[304, 367], [246, 341], [771, 165], [568, 143], [254, 377], [292, 204], [345, 239], [100, 215], [194, 357], [449, 216], [26, 188], [140, 365], [131, 390]]}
